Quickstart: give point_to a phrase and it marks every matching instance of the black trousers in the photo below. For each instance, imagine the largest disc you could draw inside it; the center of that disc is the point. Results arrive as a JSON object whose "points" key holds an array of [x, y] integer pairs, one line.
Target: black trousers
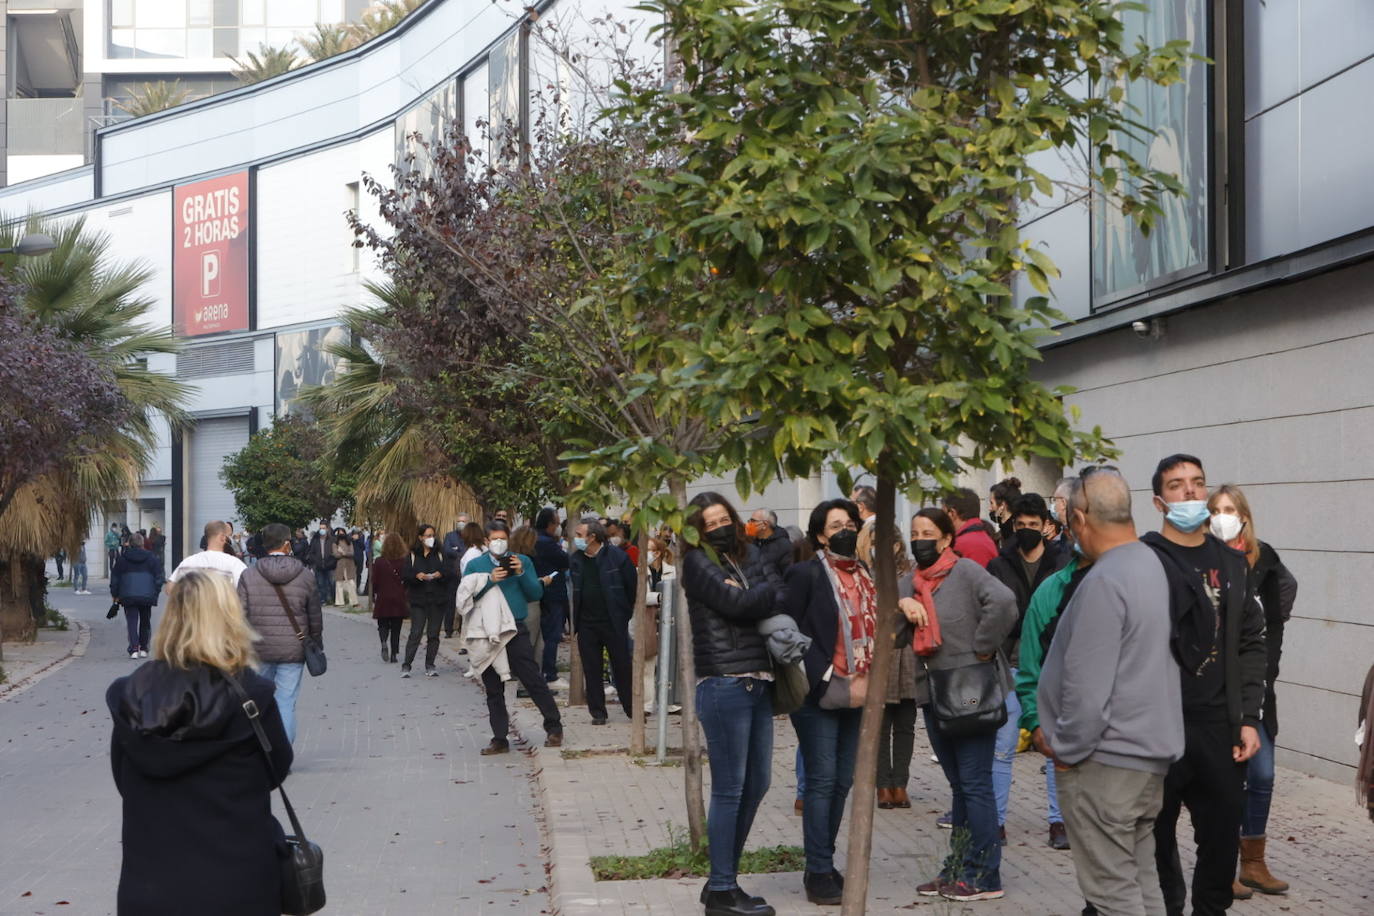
{"points": [[896, 744], [524, 668], [1212, 785], [592, 639], [389, 629], [451, 611], [424, 619]]}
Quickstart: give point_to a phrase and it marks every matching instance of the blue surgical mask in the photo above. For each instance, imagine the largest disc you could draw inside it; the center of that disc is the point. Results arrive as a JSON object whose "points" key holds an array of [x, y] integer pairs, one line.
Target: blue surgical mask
{"points": [[1189, 515], [580, 543]]}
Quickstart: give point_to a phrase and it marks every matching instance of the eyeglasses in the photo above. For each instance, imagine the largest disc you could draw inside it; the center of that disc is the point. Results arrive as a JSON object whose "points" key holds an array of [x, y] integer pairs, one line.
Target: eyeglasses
{"points": [[1083, 477]]}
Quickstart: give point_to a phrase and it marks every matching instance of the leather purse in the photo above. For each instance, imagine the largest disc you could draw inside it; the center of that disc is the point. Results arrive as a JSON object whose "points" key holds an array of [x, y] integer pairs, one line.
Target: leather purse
{"points": [[969, 700], [302, 867], [315, 661]]}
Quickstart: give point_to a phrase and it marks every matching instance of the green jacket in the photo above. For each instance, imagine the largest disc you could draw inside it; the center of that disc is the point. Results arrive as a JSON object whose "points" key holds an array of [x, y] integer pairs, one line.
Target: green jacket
{"points": [[1043, 607]]}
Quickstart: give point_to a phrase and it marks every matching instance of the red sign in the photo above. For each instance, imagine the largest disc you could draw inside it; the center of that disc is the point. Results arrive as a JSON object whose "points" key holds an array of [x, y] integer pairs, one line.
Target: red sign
{"points": [[210, 256]]}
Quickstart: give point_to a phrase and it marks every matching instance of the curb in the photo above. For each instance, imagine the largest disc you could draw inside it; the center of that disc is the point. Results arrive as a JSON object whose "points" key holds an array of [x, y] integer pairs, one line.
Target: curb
{"points": [[75, 651], [572, 888]]}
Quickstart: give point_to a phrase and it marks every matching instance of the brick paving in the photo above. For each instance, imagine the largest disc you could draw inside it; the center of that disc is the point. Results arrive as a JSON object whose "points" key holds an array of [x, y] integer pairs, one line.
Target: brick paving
{"points": [[387, 779]]}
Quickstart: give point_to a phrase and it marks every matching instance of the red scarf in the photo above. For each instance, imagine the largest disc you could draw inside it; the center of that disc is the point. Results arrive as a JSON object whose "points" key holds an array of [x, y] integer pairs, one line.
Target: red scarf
{"points": [[928, 581], [859, 603]]}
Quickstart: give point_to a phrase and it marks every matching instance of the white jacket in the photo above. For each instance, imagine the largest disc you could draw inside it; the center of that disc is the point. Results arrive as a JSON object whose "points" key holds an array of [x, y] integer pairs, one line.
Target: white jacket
{"points": [[488, 625]]}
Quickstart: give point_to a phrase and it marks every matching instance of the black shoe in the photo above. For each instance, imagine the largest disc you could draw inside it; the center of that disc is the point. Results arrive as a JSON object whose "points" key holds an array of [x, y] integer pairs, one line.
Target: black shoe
{"points": [[385, 656], [521, 693], [839, 878], [822, 889], [735, 902], [754, 901], [497, 746], [598, 720]]}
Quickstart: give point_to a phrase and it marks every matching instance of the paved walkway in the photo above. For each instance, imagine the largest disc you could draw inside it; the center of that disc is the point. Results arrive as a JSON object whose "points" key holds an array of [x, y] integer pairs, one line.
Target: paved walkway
{"points": [[387, 780]]}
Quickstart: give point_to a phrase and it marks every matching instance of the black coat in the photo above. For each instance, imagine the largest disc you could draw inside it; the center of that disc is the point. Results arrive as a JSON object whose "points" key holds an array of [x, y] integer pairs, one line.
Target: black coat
{"points": [[550, 559], [618, 578], [432, 591], [137, 578], [725, 633], [808, 598], [776, 550], [1008, 570], [1277, 590], [198, 834]]}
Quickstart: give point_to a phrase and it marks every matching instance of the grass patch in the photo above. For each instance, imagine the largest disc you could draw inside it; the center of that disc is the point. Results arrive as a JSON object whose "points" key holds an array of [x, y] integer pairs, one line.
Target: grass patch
{"points": [[56, 620], [680, 860]]}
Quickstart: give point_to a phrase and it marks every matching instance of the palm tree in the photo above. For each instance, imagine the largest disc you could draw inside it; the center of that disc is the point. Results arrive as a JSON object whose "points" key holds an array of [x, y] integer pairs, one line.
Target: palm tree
{"points": [[150, 98], [381, 17], [77, 289], [264, 64], [327, 40]]}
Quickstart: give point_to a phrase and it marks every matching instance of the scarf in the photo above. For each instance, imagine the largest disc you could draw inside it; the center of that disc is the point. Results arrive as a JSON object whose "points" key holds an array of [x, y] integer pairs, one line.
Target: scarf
{"points": [[928, 581], [858, 601]]}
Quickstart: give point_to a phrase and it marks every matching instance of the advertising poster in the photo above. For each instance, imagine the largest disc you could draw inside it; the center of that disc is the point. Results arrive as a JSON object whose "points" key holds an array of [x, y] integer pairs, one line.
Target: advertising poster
{"points": [[303, 360], [210, 256]]}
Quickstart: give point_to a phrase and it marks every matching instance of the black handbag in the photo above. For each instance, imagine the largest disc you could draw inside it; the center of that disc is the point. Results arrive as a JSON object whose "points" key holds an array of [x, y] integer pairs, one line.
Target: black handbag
{"points": [[315, 662], [969, 700], [302, 867]]}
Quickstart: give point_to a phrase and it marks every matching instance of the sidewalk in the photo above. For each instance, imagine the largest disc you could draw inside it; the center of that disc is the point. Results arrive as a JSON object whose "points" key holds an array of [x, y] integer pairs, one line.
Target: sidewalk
{"points": [[25, 664], [598, 801]]}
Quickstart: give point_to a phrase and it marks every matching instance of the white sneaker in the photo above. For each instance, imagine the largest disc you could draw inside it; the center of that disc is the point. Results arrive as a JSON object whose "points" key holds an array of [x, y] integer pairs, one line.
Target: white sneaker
{"points": [[133, 655], [558, 684], [142, 653]]}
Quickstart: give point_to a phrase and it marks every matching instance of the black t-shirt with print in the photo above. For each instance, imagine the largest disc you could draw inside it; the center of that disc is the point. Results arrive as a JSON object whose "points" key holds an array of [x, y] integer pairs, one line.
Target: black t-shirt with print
{"points": [[1204, 696]]}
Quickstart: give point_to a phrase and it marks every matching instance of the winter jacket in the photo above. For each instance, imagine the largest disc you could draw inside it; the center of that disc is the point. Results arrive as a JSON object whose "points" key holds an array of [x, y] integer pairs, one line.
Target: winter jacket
{"points": [[1009, 570], [345, 567], [1277, 590], [906, 679], [809, 598], [1242, 641], [429, 592], [725, 633], [776, 550], [976, 613], [974, 543], [550, 559], [617, 585], [1046, 605], [137, 578], [388, 589], [786, 642], [319, 554], [264, 610], [488, 625], [198, 831], [520, 591]]}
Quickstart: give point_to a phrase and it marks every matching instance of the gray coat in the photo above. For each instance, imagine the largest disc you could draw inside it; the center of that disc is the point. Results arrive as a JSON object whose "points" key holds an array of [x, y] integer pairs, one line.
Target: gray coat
{"points": [[976, 613], [906, 679], [264, 610]]}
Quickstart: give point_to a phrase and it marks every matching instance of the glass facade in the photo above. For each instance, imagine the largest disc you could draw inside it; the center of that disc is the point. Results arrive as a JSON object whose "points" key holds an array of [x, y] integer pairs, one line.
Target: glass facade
{"points": [[202, 29]]}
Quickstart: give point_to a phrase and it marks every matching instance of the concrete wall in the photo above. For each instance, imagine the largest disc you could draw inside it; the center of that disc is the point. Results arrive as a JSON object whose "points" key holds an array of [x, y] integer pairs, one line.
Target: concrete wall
{"points": [[1273, 391]]}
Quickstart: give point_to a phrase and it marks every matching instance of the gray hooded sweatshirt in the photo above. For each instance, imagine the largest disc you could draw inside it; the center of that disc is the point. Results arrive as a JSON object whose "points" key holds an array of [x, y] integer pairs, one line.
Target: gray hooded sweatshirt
{"points": [[1110, 688]]}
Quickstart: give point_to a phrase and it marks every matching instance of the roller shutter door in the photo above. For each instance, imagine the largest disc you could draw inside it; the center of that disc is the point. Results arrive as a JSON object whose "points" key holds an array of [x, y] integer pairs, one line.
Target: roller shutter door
{"points": [[209, 500]]}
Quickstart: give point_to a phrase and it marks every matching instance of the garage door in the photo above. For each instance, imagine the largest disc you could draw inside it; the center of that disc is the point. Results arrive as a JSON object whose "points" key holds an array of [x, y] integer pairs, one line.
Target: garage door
{"points": [[209, 500]]}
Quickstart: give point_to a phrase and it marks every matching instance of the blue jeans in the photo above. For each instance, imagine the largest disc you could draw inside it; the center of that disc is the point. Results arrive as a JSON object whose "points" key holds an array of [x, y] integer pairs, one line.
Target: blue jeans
{"points": [[552, 618], [139, 618], [737, 717], [287, 677], [78, 577], [801, 774], [324, 585], [1007, 738], [1052, 794], [1259, 787], [829, 742], [975, 854]]}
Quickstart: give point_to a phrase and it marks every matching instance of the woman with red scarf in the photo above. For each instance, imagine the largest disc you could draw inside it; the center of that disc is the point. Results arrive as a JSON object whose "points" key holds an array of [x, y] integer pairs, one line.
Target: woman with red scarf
{"points": [[975, 612], [833, 601]]}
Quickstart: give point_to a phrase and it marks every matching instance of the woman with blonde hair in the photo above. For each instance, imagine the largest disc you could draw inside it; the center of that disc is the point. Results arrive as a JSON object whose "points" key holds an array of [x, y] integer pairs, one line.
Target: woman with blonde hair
{"points": [[1233, 523], [198, 831]]}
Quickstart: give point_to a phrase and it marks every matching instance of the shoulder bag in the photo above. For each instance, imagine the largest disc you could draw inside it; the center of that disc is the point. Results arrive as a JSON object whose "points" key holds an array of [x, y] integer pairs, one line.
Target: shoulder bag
{"points": [[315, 662], [302, 868], [969, 700]]}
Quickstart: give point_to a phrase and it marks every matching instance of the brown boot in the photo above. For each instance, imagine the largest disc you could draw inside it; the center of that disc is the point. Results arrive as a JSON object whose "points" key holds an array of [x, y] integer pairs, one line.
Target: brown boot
{"points": [[900, 799], [1240, 891], [1253, 872], [885, 799]]}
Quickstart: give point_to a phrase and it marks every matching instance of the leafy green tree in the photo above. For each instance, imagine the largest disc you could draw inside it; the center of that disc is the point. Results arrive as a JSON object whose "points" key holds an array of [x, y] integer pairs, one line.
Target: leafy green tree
{"points": [[287, 474], [843, 201], [150, 98], [264, 63]]}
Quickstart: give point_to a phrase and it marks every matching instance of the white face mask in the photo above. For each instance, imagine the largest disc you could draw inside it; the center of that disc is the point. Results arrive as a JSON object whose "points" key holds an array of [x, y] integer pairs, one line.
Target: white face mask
{"points": [[653, 555], [1227, 527], [617, 540], [429, 542], [498, 547]]}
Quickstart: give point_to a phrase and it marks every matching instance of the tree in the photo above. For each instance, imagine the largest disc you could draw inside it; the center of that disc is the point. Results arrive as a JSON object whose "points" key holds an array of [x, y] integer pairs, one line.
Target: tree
{"points": [[327, 40], [843, 201], [150, 98], [382, 17], [286, 474], [95, 306], [264, 64]]}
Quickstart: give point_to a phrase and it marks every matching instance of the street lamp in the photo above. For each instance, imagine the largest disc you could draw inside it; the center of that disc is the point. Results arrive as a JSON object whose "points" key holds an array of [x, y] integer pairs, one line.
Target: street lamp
{"points": [[35, 243]]}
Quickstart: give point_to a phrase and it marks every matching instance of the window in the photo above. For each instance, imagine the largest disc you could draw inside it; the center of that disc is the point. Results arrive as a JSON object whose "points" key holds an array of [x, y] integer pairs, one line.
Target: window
{"points": [[431, 119], [201, 29]]}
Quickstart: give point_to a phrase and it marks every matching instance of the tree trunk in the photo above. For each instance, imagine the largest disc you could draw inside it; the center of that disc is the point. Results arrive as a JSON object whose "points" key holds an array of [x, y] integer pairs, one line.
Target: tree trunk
{"points": [[861, 800], [687, 678], [644, 632], [16, 602]]}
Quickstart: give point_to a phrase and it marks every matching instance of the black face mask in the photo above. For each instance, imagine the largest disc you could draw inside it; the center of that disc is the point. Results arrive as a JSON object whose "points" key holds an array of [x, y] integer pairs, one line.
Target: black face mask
{"points": [[843, 543], [926, 552], [1027, 539], [722, 538]]}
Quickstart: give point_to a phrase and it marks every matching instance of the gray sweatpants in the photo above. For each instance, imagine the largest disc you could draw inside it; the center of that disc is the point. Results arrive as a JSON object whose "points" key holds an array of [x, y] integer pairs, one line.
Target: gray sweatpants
{"points": [[1110, 815]]}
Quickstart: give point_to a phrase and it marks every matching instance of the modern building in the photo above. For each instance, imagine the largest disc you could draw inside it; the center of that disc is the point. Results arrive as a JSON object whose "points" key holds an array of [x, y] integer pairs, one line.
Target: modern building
{"points": [[69, 64], [1241, 331]]}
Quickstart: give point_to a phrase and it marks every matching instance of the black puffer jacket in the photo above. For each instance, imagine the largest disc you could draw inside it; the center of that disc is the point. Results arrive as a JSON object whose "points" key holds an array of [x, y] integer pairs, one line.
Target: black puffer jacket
{"points": [[725, 635], [1277, 590], [776, 550]]}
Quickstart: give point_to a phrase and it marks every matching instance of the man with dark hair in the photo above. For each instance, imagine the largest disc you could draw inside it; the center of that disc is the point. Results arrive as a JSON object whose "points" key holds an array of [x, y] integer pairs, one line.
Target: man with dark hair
{"points": [[971, 538], [603, 583], [551, 563], [319, 557], [1024, 563], [1218, 637], [618, 535], [775, 547]]}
